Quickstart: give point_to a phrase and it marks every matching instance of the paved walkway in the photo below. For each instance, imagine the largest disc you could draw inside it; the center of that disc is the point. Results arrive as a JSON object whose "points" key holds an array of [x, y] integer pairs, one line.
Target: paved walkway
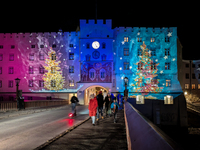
{"points": [[104, 136]]}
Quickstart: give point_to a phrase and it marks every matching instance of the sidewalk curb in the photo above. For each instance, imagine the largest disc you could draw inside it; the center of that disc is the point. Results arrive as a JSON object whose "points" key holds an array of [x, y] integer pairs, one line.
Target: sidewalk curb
{"points": [[60, 135]]}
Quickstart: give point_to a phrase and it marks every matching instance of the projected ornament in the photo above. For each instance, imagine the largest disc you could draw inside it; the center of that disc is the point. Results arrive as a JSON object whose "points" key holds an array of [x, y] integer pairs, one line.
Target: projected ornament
{"points": [[95, 45], [95, 54]]}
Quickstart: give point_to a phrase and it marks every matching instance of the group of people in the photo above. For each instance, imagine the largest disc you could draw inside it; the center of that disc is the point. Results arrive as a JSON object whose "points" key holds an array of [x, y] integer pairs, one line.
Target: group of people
{"points": [[96, 106]]}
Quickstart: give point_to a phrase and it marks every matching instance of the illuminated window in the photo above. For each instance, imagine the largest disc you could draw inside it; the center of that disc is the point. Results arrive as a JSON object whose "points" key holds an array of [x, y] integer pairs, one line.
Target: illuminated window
{"points": [[30, 83], [187, 75], [167, 66], [139, 99], [71, 69], [139, 52], [193, 86], [1, 57], [53, 70], [154, 82], [0, 70], [125, 39], [152, 39], [126, 52], [31, 57], [11, 57], [71, 82], [168, 99], [139, 39], [167, 52], [41, 70], [10, 70], [41, 83], [168, 83], [30, 69], [53, 56], [41, 56], [53, 83], [10, 83], [198, 86], [103, 45], [186, 86], [126, 65], [71, 56], [0, 83]]}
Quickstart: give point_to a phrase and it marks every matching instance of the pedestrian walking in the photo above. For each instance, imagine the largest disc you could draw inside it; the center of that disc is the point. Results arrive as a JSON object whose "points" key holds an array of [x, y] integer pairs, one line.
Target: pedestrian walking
{"points": [[93, 108], [108, 102], [100, 105], [114, 107], [74, 101]]}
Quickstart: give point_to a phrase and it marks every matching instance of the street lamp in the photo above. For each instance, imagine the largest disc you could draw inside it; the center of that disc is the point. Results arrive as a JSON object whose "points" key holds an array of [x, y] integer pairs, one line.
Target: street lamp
{"points": [[17, 80], [126, 91]]}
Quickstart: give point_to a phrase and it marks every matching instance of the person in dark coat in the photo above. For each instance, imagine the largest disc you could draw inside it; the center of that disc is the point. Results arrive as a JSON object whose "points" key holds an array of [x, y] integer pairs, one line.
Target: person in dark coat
{"points": [[92, 108], [108, 102], [100, 105], [74, 101]]}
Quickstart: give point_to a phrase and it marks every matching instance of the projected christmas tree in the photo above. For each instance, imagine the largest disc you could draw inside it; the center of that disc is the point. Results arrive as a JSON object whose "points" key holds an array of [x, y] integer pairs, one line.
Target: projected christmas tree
{"points": [[145, 81], [53, 79]]}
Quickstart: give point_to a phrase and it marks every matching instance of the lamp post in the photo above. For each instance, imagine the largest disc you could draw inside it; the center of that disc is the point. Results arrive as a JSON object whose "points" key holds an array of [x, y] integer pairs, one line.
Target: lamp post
{"points": [[17, 80], [126, 90]]}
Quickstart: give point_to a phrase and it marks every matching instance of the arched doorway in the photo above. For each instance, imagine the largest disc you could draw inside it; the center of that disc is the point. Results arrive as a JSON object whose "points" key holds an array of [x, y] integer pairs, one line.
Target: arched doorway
{"points": [[93, 90]]}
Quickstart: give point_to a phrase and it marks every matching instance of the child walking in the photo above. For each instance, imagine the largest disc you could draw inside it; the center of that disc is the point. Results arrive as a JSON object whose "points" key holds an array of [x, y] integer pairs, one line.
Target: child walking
{"points": [[114, 107], [93, 108]]}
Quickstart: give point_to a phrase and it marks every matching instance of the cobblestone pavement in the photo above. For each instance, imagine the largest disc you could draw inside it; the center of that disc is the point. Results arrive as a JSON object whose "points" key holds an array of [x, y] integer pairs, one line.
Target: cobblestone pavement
{"points": [[105, 135]]}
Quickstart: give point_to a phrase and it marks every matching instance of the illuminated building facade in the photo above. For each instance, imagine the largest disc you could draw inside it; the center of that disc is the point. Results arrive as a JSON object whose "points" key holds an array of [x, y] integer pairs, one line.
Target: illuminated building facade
{"points": [[95, 58]]}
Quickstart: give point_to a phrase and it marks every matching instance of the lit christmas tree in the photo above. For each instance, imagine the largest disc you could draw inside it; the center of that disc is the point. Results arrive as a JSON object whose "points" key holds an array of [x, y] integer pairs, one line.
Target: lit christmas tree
{"points": [[53, 79], [146, 71]]}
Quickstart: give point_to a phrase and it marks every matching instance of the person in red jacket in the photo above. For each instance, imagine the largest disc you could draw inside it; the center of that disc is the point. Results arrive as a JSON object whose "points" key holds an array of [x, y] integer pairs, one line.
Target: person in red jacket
{"points": [[93, 108]]}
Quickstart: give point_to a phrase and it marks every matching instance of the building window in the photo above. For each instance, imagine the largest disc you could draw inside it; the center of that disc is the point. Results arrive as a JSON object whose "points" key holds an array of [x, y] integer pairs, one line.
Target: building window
{"points": [[10, 70], [11, 57], [103, 57], [87, 45], [41, 46], [126, 52], [193, 86], [30, 83], [187, 65], [166, 39], [168, 99], [103, 45], [32, 46], [12, 46], [1, 46], [54, 46], [193, 65], [102, 74], [198, 86], [153, 52], [0, 83], [153, 66], [167, 52], [139, 52], [31, 57], [0, 70], [41, 56], [1, 57], [139, 82], [10, 83], [140, 66], [140, 99], [53, 56], [199, 76], [53, 70], [41, 70], [41, 83], [53, 83], [186, 86], [71, 82], [167, 66], [168, 83], [71, 56], [152, 39], [92, 74], [71, 69], [187, 75], [30, 69], [88, 57], [1, 98], [139, 39], [126, 65], [71, 45], [193, 76], [125, 39]]}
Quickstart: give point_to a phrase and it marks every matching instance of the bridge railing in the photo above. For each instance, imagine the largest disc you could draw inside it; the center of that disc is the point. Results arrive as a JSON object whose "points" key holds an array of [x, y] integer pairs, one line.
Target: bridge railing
{"points": [[5, 106], [142, 134]]}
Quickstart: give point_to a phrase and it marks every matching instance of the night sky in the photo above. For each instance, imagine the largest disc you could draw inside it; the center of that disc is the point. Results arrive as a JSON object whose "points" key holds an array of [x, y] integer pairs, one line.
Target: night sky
{"points": [[52, 16]]}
